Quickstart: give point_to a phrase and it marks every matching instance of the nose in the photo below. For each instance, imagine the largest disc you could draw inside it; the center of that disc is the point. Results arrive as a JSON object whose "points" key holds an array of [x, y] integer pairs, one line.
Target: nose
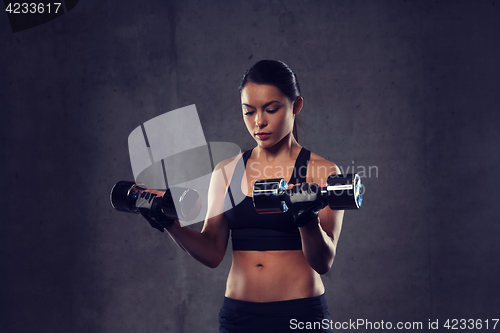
{"points": [[260, 120]]}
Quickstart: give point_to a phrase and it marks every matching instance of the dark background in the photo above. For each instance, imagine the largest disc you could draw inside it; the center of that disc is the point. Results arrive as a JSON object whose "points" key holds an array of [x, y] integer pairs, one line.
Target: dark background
{"points": [[408, 87]]}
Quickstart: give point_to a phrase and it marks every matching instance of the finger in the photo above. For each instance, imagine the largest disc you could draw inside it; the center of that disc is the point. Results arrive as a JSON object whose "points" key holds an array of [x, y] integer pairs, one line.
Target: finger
{"points": [[293, 185], [156, 192]]}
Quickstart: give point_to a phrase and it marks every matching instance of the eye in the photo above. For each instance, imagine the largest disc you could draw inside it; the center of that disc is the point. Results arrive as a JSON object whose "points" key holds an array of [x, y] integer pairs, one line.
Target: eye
{"points": [[248, 113], [271, 111]]}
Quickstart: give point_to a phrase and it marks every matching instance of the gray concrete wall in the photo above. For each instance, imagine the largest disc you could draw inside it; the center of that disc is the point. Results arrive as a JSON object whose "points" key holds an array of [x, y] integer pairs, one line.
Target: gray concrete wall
{"points": [[407, 87]]}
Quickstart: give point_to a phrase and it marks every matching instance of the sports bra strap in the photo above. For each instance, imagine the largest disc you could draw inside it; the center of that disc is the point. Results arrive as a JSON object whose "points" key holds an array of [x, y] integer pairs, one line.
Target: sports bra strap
{"points": [[300, 168], [246, 155]]}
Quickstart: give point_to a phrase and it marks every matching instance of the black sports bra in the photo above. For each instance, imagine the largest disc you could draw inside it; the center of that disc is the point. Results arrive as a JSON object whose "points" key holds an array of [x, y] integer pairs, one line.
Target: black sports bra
{"points": [[251, 231]]}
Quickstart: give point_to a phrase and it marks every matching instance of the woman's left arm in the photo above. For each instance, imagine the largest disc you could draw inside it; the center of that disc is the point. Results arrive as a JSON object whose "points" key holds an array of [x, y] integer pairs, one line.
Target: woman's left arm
{"points": [[320, 237]]}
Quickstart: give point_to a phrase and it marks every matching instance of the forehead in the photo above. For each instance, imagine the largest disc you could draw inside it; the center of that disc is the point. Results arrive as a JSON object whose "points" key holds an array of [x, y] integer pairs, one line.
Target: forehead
{"points": [[255, 94]]}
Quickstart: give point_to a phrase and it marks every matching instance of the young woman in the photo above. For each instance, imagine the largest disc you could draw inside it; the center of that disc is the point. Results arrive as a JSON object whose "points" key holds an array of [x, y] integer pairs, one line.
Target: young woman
{"points": [[274, 284]]}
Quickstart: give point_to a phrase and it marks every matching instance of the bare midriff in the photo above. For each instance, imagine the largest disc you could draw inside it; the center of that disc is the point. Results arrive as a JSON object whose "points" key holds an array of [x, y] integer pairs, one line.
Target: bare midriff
{"points": [[269, 276]]}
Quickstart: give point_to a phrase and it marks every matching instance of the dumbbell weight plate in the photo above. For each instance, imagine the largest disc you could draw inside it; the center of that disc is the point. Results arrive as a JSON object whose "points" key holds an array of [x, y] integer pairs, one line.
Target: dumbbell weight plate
{"points": [[181, 203], [344, 191], [124, 195]]}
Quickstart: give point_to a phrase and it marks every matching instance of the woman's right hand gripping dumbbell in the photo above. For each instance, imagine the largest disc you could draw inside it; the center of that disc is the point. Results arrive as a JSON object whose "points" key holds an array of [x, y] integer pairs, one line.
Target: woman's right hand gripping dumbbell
{"points": [[304, 202], [149, 205]]}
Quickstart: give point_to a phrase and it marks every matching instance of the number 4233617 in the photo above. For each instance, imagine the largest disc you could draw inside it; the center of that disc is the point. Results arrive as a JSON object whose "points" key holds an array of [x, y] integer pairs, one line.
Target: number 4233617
{"points": [[33, 8]]}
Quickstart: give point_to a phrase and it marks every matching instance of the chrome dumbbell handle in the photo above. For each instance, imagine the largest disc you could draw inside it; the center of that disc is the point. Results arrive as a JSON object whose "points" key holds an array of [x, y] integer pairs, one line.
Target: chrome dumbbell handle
{"points": [[268, 196]]}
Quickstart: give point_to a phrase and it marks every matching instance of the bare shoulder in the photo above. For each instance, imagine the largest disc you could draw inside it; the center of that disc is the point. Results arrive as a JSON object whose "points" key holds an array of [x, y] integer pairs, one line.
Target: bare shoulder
{"points": [[319, 169], [228, 162], [228, 166], [219, 183]]}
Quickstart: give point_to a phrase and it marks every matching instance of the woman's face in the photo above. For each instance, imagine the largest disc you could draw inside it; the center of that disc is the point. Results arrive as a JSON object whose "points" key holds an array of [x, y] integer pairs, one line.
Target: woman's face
{"points": [[268, 113]]}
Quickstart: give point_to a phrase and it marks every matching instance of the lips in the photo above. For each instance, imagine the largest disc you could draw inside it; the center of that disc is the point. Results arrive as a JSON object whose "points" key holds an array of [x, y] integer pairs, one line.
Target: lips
{"points": [[262, 135]]}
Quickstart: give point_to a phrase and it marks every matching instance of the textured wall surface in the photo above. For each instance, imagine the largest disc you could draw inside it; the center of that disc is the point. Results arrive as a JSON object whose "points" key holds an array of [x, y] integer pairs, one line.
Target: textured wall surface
{"points": [[404, 91]]}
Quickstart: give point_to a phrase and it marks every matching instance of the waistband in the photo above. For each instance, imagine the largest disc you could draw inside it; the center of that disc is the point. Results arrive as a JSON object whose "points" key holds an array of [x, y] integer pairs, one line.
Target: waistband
{"points": [[301, 306]]}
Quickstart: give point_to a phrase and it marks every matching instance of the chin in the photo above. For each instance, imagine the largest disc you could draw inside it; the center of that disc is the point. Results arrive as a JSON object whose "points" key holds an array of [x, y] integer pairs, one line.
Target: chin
{"points": [[265, 144]]}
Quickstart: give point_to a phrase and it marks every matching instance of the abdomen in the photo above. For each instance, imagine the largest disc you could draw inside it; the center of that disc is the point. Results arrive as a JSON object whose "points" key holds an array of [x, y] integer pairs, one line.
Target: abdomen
{"points": [[269, 276]]}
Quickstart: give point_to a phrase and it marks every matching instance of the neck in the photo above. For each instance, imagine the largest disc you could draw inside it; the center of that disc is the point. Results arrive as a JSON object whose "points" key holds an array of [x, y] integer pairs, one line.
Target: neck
{"points": [[287, 147]]}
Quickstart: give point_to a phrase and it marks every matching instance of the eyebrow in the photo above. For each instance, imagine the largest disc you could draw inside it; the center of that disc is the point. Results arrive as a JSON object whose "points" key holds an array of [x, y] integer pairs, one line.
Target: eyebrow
{"points": [[263, 106]]}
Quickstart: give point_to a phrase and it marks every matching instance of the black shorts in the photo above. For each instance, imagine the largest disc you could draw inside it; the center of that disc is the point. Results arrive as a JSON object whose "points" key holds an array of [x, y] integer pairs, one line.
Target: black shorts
{"points": [[297, 315]]}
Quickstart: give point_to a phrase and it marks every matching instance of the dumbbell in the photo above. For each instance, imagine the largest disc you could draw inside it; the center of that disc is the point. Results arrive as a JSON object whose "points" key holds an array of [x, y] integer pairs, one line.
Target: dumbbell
{"points": [[342, 192], [124, 196]]}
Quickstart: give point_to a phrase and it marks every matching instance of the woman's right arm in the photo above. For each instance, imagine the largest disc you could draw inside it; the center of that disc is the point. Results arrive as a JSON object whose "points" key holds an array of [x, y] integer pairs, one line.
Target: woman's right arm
{"points": [[209, 245]]}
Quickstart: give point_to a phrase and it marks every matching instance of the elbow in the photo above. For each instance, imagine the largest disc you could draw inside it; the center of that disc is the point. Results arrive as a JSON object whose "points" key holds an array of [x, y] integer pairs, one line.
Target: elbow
{"points": [[323, 269], [325, 265], [213, 263]]}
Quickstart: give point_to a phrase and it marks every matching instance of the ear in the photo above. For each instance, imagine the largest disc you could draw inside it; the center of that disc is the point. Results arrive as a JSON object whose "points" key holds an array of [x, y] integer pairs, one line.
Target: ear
{"points": [[297, 105]]}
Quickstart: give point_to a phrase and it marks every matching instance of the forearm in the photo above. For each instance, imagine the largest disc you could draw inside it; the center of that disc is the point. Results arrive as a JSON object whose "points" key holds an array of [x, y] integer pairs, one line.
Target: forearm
{"points": [[197, 244], [318, 247]]}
